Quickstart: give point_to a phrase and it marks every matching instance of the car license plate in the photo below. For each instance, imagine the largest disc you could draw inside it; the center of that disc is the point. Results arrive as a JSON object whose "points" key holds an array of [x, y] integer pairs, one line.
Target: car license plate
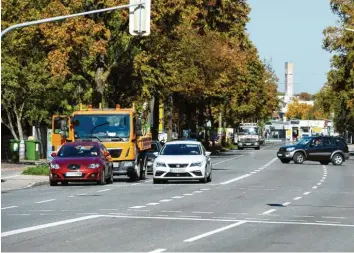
{"points": [[248, 144], [178, 170], [116, 165], [280, 154], [73, 174]]}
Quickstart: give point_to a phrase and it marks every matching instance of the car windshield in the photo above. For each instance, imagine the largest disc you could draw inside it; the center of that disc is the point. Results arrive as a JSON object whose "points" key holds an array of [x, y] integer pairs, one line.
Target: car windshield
{"points": [[251, 130], [181, 149], [153, 148], [78, 151], [304, 141], [102, 126]]}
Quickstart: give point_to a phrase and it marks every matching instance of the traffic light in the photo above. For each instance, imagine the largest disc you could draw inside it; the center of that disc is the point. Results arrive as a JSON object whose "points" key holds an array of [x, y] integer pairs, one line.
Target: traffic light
{"points": [[139, 17]]}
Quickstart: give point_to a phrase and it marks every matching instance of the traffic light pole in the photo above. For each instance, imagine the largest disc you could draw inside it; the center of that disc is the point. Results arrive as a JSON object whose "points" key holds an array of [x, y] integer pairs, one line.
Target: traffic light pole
{"points": [[46, 20]]}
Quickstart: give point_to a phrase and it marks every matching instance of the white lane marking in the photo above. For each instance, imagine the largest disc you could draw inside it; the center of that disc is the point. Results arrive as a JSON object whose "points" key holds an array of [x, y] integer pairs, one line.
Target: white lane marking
{"points": [[205, 189], [235, 179], [295, 220], [113, 209], [165, 200], [253, 172], [330, 217], [120, 213], [157, 251], [189, 216], [258, 170], [269, 211], [10, 176], [303, 216], [166, 211], [307, 193], [197, 191], [322, 181], [19, 214], [9, 207], [202, 212], [148, 181], [214, 231], [70, 196], [251, 220], [177, 197], [87, 213], [319, 183], [286, 203], [237, 213], [324, 166], [228, 160], [136, 207], [44, 201], [297, 198], [47, 225], [320, 221], [152, 204], [315, 187], [141, 210], [104, 190], [188, 194]]}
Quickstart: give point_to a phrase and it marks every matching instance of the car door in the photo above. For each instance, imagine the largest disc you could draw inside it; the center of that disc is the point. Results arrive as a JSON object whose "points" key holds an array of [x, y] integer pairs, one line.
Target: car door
{"points": [[313, 149], [326, 150]]}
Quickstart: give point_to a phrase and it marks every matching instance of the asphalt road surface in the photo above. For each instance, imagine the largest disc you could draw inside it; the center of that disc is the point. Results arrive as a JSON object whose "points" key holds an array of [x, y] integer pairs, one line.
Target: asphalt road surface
{"points": [[254, 203]]}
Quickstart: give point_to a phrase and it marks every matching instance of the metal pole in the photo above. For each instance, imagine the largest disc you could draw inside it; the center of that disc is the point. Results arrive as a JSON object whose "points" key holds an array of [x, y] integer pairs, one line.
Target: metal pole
{"points": [[46, 20]]}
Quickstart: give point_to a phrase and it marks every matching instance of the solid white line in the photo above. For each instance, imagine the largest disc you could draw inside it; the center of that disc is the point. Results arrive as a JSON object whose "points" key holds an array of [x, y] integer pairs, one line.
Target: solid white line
{"points": [[235, 179], [315, 187], [157, 251], [214, 231], [165, 200], [177, 197], [295, 220], [297, 198], [329, 217], [43, 201], [9, 207], [307, 193], [286, 203], [135, 207], [48, 225], [336, 222], [269, 211], [152, 204], [104, 190], [163, 217], [228, 160], [10, 176]]}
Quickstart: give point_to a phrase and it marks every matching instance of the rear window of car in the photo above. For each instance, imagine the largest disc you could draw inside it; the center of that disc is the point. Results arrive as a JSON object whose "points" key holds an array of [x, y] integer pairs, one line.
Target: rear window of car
{"points": [[78, 151], [181, 149]]}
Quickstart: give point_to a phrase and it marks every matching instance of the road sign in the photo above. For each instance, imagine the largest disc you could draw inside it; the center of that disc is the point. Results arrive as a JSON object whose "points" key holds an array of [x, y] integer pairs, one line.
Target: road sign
{"points": [[139, 17]]}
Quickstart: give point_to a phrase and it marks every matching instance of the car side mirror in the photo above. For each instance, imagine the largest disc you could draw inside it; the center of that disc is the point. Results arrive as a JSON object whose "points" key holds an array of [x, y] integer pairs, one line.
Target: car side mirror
{"points": [[156, 153], [53, 154], [207, 153]]}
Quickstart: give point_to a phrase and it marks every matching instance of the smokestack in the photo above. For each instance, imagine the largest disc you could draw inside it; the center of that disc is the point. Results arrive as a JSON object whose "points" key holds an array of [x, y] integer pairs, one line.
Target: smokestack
{"points": [[289, 79]]}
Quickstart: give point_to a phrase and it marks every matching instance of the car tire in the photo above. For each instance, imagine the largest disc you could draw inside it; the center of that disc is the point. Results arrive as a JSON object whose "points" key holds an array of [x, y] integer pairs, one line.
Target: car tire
{"points": [[102, 180], [110, 180], [285, 161], [64, 183], [337, 159], [210, 177], [205, 179], [53, 183], [299, 158], [240, 148], [324, 163], [156, 181], [257, 148]]}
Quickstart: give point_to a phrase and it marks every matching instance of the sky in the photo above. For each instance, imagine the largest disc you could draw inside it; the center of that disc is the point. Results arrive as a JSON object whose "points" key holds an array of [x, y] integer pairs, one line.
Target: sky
{"points": [[291, 30]]}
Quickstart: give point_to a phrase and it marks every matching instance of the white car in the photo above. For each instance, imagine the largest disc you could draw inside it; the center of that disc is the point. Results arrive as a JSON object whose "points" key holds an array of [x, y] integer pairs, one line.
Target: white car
{"points": [[182, 160]]}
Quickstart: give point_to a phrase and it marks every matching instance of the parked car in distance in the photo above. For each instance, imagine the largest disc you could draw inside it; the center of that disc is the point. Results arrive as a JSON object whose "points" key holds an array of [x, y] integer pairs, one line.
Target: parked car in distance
{"points": [[149, 157], [182, 160], [323, 149], [81, 161]]}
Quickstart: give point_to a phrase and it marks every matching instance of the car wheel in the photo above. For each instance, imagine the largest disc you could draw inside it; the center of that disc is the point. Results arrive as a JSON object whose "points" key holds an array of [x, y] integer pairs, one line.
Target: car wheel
{"points": [[205, 179], [299, 158], [64, 183], [257, 148], [324, 163], [240, 148], [102, 180], [156, 181], [337, 159], [210, 177], [285, 161], [53, 183], [110, 180]]}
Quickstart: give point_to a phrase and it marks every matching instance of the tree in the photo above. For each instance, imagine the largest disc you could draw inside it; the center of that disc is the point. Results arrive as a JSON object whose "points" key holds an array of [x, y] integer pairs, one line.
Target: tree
{"points": [[305, 96], [298, 110], [340, 79]]}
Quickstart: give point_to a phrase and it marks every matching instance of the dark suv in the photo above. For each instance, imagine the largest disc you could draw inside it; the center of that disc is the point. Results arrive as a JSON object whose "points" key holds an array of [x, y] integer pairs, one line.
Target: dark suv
{"points": [[324, 149]]}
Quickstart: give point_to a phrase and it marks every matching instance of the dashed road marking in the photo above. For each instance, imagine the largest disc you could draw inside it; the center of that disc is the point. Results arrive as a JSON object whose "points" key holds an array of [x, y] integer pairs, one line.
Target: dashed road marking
{"points": [[188, 194], [286, 203], [315, 187], [269, 211], [235, 179], [44, 201], [166, 211], [157, 251], [303, 216], [152, 204], [177, 197], [330, 217], [319, 184], [297, 198], [9, 207], [202, 212], [165, 200], [104, 190], [136, 207], [307, 193], [205, 189], [19, 214]]}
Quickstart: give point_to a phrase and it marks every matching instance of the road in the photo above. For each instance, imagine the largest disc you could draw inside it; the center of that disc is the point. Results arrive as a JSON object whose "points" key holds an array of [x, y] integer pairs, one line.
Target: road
{"points": [[254, 203]]}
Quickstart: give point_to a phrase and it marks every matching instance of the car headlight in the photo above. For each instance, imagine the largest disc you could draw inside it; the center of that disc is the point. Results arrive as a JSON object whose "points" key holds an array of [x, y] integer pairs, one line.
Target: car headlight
{"points": [[160, 164], [93, 166], [128, 164], [197, 164], [54, 166], [290, 149]]}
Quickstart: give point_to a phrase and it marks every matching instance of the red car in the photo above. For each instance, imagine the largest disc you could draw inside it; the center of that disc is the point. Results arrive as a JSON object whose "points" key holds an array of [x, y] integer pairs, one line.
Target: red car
{"points": [[82, 161]]}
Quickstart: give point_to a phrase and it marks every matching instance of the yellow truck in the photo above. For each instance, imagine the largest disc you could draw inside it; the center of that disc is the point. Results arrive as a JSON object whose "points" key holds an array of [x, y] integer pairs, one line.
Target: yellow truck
{"points": [[118, 129]]}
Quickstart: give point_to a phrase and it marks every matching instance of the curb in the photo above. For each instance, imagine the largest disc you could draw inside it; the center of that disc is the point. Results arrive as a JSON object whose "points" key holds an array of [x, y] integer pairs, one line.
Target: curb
{"points": [[30, 185]]}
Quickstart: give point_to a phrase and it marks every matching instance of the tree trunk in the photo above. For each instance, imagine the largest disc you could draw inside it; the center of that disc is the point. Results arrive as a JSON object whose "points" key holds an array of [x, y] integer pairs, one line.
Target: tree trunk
{"points": [[10, 124], [169, 108], [155, 118], [18, 115]]}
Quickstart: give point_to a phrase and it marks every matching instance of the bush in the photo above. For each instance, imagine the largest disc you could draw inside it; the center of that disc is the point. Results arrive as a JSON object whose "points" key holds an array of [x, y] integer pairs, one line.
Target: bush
{"points": [[39, 170]]}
